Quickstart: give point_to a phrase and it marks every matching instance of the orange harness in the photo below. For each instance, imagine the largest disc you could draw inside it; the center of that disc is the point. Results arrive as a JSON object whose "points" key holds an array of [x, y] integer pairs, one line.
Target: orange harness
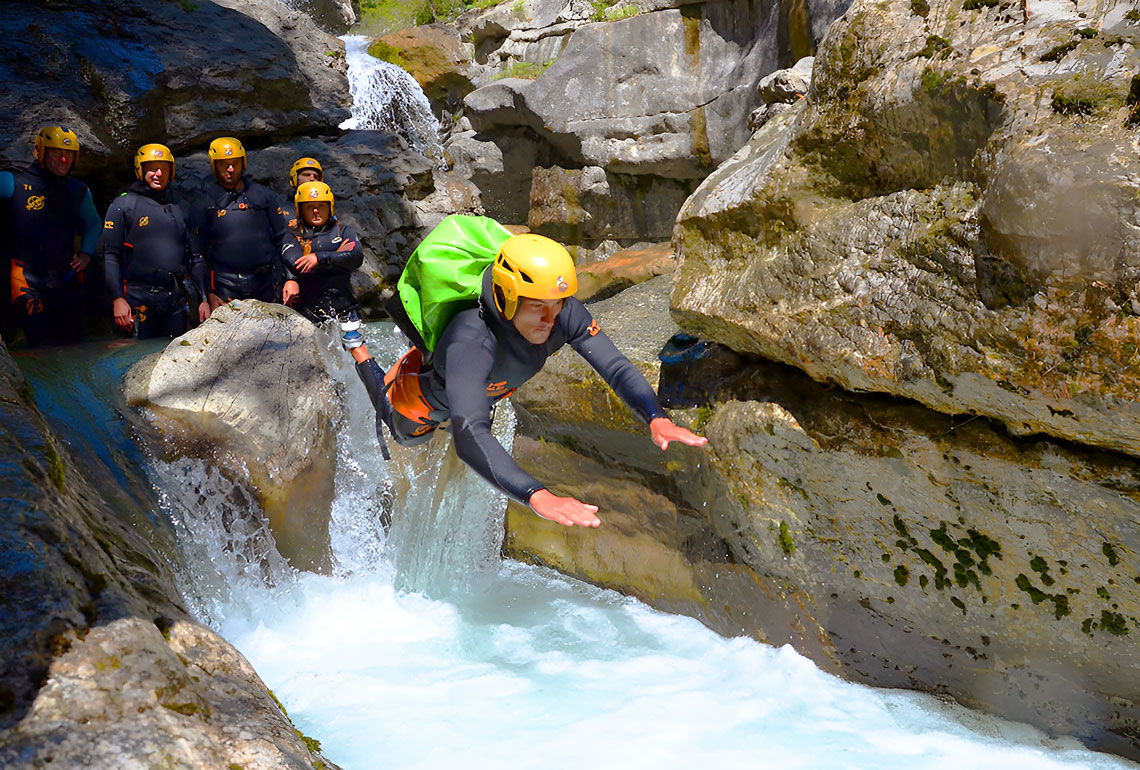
{"points": [[404, 393]]}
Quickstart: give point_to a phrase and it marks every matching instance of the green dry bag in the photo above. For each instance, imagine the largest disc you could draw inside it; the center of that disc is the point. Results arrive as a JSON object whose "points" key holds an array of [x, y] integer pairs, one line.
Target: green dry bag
{"points": [[444, 275]]}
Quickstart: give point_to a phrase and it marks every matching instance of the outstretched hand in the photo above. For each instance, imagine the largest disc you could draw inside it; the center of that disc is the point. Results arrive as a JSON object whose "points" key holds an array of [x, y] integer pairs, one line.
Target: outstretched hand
{"points": [[663, 430], [564, 510]]}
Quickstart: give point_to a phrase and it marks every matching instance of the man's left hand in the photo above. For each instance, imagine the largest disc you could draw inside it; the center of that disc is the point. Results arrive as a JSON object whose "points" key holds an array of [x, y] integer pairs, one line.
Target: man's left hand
{"points": [[80, 261], [663, 430]]}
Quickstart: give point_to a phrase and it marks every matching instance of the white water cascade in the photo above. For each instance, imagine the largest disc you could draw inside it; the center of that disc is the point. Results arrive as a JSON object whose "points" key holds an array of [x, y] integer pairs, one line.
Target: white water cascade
{"points": [[424, 650], [386, 98]]}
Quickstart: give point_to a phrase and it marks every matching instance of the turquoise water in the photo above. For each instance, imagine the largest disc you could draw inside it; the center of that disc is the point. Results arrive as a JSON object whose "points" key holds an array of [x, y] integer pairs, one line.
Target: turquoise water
{"points": [[425, 650]]}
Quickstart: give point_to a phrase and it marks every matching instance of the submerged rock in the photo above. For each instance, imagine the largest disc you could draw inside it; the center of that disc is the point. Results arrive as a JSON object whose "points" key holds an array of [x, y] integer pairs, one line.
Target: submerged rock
{"points": [[248, 392]]}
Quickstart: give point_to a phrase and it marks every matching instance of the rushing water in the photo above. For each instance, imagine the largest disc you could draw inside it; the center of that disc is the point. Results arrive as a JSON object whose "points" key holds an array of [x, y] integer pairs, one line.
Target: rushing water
{"points": [[424, 650], [386, 98]]}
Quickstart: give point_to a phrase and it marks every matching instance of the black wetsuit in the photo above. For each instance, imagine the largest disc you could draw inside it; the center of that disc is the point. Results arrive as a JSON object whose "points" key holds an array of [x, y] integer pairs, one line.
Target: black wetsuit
{"points": [[146, 248], [45, 213], [481, 358], [243, 238], [325, 290]]}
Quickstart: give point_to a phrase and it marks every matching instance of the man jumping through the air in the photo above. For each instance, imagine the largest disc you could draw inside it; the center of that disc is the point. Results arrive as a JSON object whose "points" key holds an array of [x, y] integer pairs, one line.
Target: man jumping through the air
{"points": [[526, 312]]}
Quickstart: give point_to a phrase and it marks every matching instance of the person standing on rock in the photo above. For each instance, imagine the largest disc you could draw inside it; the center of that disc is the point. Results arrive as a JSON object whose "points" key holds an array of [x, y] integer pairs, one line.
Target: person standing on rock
{"points": [[147, 254], [526, 312], [242, 234], [303, 170], [47, 210], [330, 251]]}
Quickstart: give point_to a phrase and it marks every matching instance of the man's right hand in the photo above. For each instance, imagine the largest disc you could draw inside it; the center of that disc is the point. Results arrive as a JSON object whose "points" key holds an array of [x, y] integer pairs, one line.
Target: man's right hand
{"points": [[121, 309], [215, 301], [564, 510]]}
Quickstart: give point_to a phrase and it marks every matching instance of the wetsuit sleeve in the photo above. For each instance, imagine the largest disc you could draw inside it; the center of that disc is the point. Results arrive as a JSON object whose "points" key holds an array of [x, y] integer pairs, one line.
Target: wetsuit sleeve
{"points": [[114, 235], [342, 261], [7, 184], [288, 247], [195, 265], [586, 337], [90, 225], [470, 361]]}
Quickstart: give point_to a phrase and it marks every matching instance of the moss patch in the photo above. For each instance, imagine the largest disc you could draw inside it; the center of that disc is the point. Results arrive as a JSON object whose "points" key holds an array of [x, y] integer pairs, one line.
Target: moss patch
{"points": [[785, 538]]}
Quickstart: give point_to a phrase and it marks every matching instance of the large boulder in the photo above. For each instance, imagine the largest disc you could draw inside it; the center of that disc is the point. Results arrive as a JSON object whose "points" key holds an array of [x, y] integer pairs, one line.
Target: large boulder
{"points": [[127, 72], [102, 665], [656, 101], [890, 543], [950, 219], [248, 392]]}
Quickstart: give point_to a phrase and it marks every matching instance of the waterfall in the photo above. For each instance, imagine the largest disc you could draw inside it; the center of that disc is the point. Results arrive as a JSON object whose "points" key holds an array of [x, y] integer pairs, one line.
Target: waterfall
{"points": [[386, 98]]}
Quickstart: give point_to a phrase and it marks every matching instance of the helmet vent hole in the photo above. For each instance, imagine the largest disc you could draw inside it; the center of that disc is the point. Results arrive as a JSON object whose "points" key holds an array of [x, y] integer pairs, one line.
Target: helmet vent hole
{"points": [[525, 277]]}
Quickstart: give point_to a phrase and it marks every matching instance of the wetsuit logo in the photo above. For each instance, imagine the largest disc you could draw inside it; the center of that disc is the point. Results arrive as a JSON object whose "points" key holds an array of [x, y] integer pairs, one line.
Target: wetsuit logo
{"points": [[221, 213], [594, 328], [144, 221], [108, 224], [35, 202]]}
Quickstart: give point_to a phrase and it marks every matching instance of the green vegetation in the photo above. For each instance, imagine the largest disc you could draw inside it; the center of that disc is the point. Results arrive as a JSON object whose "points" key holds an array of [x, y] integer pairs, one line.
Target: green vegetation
{"points": [[785, 537], [1110, 554], [1088, 33], [1059, 52], [1133, 15], [902, 575], [188, 5], [619, 12], [523, 69], [973, 5], [1085, 96], [936, 46], [920, 8], [380, 17], [386, 52]]}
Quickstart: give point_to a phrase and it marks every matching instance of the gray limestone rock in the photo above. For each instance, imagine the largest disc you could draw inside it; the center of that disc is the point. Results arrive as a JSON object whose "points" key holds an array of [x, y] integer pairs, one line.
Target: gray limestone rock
{"points": [[248, 392], [102, 666], [950, 219]]}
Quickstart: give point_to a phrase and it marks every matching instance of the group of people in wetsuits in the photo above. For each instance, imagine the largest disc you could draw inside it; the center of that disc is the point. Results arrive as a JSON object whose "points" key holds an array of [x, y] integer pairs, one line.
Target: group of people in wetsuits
{"points": [[245, 244]]}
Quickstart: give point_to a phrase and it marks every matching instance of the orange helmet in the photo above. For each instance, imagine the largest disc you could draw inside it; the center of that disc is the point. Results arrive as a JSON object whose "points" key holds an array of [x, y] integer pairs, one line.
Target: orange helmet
{"points": [[532, 266], [59, 137], [152, 152]]}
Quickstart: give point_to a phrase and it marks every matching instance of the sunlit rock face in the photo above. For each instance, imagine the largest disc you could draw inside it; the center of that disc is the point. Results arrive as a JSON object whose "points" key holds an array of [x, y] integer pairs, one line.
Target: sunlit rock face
{"points": [[127, 72], [889, 542], [653, 98], [248, 392], [102, 665], [952, 218]]}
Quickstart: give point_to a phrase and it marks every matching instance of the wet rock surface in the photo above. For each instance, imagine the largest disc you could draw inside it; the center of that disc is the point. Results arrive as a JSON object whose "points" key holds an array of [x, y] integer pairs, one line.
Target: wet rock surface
{"points": [[248, 392], [892, 544], [101, 666]]}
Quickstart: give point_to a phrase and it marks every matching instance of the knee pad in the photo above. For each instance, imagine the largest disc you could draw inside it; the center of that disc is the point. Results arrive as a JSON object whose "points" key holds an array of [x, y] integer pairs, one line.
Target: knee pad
{"points": [[350, 335]]}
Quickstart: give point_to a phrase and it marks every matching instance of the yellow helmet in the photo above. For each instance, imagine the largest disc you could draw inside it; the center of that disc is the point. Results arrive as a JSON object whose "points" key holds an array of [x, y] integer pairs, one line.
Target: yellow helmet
{"points": [[301, 165], [226, 148], [532, 266], [59, 137], [314, 192], [153, 152]]}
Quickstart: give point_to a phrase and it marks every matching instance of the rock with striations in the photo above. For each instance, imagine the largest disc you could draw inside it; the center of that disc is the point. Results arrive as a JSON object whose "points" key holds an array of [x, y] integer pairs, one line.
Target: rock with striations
{"points": [[951, 219]]}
